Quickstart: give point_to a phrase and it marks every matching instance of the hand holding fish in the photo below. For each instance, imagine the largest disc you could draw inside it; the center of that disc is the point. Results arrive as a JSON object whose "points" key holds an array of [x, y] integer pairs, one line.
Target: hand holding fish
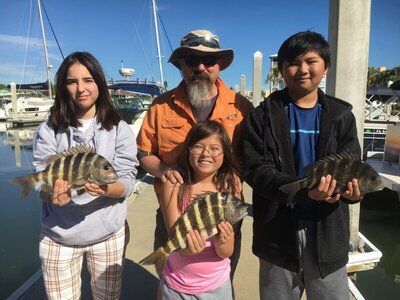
{"points": [[195, 242], [96, 190], [324, 190], [223, 242], [112, 190], [226, 233], [61, 193], [353, 192]]}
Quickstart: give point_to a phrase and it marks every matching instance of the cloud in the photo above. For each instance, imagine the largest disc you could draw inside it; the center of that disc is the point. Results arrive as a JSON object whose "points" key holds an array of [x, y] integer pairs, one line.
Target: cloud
{"points": [[15, 72], [22, 40]]}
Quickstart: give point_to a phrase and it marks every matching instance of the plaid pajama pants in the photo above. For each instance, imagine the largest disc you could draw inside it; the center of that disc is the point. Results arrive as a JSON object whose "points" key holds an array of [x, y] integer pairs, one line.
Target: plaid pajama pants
{"points": [[62, 265]]}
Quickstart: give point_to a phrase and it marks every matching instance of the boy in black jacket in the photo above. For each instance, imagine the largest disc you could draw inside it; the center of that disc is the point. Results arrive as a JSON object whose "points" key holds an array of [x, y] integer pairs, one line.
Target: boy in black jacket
{"points": [[305, 247]]}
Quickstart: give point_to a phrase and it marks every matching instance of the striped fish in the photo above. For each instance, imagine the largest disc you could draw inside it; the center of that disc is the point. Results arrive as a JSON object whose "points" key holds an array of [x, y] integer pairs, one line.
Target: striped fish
{"points": [[77, 165], [203, 214], [343, 167]]}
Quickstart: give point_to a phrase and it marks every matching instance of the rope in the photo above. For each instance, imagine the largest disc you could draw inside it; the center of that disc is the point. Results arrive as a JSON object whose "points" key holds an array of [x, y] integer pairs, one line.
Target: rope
{"points": [[165, 31], [169, 42], [48, 20]]}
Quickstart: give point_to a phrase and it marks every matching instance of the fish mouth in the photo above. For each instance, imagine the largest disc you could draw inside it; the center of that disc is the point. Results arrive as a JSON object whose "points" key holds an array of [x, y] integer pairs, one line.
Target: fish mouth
{"points": [[243, 211], [111, 178]]}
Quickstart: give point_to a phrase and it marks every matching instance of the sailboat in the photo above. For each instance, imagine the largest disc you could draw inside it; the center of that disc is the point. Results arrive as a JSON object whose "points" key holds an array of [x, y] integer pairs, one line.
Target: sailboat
{"points": [[27, 108]]}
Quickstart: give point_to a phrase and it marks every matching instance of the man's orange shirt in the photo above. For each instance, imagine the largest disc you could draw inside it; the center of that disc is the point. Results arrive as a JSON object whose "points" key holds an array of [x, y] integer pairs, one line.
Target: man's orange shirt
{"points": [[170, 118]]}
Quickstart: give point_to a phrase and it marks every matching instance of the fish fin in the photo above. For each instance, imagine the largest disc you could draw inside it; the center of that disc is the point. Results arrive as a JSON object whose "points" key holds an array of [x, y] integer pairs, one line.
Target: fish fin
{"points": [[82, 148], [343, 154], [157, 258], [291, 189], [78, 184], [49, 159], [46, 192], [347, 154], [26, 182]]}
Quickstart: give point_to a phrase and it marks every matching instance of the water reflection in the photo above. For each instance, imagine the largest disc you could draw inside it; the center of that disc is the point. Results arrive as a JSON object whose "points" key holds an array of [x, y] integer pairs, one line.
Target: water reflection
{"points": [[19, 219], [19, 138]]}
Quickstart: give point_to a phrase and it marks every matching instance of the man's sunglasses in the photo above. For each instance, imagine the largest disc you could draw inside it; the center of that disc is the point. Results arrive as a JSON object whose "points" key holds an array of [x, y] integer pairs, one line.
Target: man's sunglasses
{"points": [[194, 61], [194, 41]]}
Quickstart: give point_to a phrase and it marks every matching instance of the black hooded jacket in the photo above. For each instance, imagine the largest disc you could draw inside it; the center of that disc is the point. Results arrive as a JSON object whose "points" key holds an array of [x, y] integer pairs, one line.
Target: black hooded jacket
{"points": [[268, 163]]}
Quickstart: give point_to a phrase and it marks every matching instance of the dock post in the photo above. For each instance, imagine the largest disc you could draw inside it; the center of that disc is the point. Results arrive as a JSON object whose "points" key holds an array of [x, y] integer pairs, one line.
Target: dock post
{"points": [[349, 30], [243, 85], [257, 77], [14, 100]]}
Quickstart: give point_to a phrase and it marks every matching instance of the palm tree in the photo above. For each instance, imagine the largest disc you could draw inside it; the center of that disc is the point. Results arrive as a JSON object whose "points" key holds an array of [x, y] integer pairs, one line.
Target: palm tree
{"points": [[372, 72], [382, 78], [274, 77]]}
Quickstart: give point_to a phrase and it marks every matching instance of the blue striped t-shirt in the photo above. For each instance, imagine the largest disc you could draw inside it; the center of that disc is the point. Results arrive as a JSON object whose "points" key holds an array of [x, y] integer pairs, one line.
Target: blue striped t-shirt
{"points": [[304, 131]]}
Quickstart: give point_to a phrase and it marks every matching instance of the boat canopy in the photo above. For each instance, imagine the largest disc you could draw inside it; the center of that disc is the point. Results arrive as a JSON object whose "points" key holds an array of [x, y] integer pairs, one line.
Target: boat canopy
{"points": [[40, 86], [150, 88]]}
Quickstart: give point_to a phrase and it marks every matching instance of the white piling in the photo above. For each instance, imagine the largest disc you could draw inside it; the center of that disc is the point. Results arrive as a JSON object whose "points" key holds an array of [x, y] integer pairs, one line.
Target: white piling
{"points": [[14, 100], [243, 85], [349, 30], [257, 77]]}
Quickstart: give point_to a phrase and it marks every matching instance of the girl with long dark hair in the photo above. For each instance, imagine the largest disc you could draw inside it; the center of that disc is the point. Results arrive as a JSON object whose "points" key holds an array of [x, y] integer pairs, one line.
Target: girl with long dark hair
{"points": [[92, 224]]}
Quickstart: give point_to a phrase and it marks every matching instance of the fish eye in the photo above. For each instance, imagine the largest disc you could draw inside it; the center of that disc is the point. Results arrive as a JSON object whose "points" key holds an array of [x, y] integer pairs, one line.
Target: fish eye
{"points": [[107, 168], [373, 178]]}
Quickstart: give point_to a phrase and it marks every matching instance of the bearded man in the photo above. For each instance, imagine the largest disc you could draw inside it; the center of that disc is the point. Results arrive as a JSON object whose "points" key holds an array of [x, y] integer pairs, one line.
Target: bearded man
{"points": [[201, 96]]}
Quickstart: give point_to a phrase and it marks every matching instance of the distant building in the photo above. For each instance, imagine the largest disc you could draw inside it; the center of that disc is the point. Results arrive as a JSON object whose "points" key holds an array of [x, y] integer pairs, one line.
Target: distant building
{"points": [[381, 69]]}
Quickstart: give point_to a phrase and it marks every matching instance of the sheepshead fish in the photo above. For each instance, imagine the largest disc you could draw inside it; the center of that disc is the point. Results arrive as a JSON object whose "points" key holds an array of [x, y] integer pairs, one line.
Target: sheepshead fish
{"points": [[203, 214], [343, 167], [77, 165]]}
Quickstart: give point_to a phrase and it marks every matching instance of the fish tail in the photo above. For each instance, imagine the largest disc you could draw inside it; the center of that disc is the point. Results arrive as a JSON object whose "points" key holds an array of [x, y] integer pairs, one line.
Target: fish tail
{"points": [[26, 182], [157, 258], [291, 189]]}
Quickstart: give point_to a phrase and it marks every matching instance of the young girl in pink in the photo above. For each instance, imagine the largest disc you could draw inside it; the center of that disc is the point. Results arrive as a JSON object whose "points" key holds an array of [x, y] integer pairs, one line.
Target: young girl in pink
{"points": [[202, 270]]}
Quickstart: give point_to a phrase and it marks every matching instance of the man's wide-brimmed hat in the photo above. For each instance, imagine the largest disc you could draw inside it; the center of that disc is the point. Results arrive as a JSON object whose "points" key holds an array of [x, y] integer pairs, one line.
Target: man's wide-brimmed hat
{"points": [[201, 42]]}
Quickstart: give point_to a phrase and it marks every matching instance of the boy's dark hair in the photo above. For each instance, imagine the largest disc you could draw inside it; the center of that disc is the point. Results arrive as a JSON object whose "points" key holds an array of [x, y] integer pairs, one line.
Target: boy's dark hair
{"points": [[224, 179], [301, 43], [63, 112]]}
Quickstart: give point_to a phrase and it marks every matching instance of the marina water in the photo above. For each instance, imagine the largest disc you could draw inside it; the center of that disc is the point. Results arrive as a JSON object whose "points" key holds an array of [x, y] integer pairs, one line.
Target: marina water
{"points": [[20, 227]]}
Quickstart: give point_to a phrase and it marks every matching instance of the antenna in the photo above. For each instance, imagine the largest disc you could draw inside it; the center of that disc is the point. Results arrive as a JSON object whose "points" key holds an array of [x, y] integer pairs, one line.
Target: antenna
{"points": [[126, 72]]}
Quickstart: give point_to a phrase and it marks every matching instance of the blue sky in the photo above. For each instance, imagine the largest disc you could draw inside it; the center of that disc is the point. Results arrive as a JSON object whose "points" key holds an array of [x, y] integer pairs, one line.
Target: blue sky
{"points": [[122, 30]]}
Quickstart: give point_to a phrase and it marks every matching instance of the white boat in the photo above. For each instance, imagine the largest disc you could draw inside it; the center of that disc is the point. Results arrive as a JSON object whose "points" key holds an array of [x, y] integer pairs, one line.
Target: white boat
{"points": [[29, 108]]}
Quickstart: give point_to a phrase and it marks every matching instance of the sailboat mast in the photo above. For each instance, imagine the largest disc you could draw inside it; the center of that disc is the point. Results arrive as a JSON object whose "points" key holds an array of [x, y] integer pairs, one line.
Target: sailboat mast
{"points": [[158, 41], [46, 57]]}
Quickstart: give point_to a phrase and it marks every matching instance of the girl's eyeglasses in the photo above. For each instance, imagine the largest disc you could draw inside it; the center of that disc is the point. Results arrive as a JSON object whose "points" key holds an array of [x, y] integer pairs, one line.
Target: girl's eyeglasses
{"points": [[213, 150], [207, 60]]}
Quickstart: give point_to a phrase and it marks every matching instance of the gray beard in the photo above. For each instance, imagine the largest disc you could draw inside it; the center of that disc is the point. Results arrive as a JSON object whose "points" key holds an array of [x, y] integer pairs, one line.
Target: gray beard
{"points": [[198, 93]]}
